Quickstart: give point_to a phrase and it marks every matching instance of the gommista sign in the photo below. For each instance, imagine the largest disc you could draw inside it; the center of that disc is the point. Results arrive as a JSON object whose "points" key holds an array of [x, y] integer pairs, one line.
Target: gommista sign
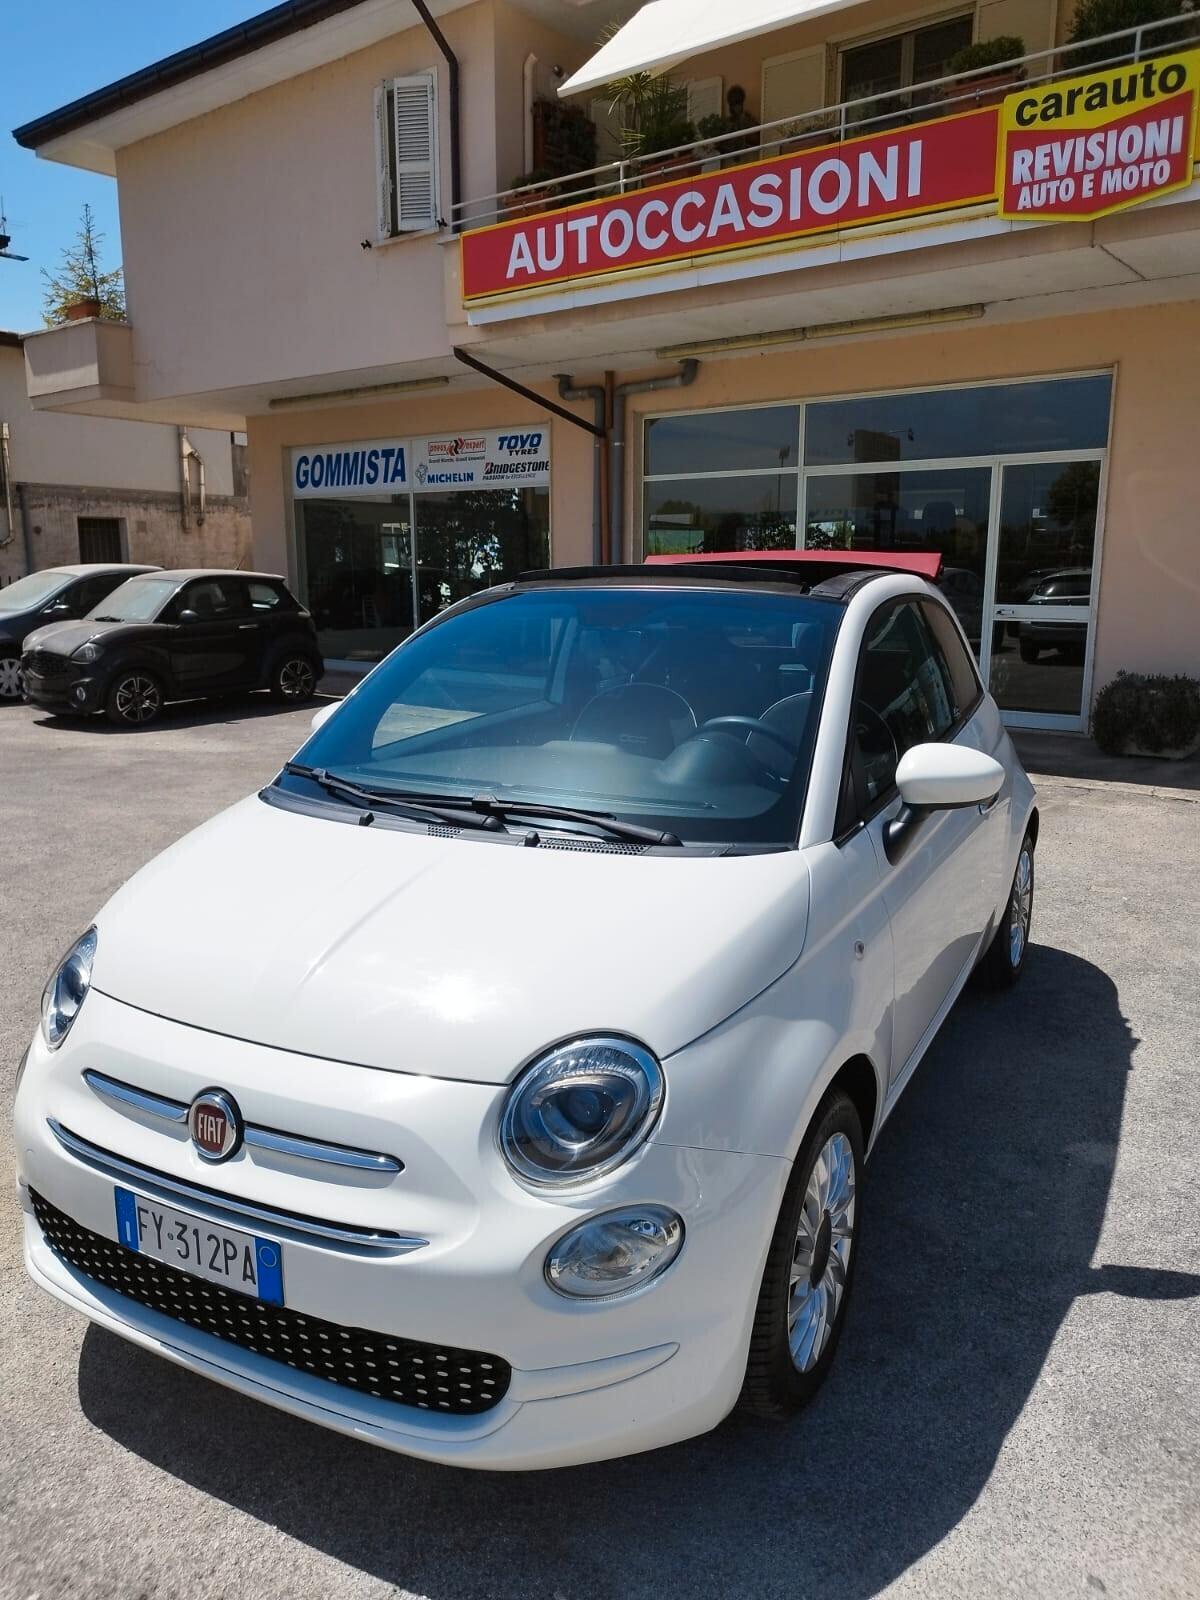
{"points": [[1075, 149]]}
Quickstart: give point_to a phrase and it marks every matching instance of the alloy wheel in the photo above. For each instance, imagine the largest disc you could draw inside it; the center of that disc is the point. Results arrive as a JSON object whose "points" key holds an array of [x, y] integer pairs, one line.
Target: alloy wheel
{"points": [[821, 1257], [297, 680], [11, 681], [1021, 907], [137, 698]]}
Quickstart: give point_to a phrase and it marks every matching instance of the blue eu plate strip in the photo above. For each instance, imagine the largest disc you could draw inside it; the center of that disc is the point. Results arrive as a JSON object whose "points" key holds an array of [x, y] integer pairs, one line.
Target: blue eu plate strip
{"points": [[270, 1271], [127, 1222]]}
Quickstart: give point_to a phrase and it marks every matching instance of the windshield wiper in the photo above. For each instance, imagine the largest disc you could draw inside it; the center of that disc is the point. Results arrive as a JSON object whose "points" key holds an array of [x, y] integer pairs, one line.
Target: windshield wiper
{"points": [[104, 619], [491, 806], [394, 803]]}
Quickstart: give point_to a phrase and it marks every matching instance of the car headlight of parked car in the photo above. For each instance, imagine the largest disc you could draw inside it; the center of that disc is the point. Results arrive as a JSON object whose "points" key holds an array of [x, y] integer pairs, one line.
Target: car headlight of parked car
{"points": [[581, 1110], [86, 652], [67, 989]]}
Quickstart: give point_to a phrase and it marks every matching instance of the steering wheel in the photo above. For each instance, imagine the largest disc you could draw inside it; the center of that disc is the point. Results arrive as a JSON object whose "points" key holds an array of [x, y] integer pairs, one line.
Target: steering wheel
{"points": [[861, 710], [753, 725]]}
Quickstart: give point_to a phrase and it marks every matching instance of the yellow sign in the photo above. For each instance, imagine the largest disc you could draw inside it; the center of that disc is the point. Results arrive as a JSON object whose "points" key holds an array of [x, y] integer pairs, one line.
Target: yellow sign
{"points": [[1083, 147]]}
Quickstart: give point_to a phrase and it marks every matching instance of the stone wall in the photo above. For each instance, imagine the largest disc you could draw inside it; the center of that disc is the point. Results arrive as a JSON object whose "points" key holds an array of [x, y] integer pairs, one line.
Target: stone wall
{"points": [[152, 528]]}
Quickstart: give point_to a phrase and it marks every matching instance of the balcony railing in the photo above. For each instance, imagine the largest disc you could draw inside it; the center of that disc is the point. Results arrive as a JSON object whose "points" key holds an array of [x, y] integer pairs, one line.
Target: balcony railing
{"points": [[940, 97]]}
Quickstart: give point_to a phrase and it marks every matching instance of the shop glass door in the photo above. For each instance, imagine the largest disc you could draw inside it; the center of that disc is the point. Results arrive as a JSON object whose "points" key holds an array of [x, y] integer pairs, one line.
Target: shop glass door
{"points": [[1043, 591]]}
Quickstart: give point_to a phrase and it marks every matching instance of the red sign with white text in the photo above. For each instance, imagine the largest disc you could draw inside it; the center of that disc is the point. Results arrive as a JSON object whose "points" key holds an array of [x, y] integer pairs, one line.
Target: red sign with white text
{"points": [[933, 166]]}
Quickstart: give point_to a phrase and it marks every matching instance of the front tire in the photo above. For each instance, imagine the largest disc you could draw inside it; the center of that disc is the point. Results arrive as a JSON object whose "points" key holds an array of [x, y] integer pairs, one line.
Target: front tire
{"points": [[293, 679], [810, 1266], [1005, 959], [12, 685], [135, 698]]}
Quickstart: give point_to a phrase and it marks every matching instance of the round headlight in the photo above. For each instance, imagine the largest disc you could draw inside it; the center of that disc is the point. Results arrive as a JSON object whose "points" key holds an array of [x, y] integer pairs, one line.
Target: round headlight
{"points": [[616, 1252], [86, 652], [581, 1111], [67, 989]]}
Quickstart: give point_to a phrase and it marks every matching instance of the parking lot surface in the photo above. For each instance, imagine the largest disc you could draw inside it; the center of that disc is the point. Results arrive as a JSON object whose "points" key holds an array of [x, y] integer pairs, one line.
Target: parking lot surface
{"points": [[1016, 1403]]}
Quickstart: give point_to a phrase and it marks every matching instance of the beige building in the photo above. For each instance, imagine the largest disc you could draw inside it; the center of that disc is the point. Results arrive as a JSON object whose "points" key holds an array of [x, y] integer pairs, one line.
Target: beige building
{"points": [[84, 488], [890, 296]]}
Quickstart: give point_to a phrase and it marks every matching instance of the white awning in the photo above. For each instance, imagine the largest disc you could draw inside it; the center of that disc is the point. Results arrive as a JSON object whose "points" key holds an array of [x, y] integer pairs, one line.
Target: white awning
{"points": [[666, 32]]}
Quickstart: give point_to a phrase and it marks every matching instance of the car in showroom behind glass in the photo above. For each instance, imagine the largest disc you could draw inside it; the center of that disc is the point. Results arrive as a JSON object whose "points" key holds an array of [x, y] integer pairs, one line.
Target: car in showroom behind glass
{"points": [[175, 636], [55, 594], [497, 1083]]}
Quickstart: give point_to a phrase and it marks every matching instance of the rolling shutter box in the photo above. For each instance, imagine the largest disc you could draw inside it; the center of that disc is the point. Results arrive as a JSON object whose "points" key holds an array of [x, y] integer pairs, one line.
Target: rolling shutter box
{"points": [[407, 147]]}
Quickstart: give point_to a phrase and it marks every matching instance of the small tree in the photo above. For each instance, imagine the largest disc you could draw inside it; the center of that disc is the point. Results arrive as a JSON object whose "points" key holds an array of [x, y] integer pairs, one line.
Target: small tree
{"points": [[80, 277]]}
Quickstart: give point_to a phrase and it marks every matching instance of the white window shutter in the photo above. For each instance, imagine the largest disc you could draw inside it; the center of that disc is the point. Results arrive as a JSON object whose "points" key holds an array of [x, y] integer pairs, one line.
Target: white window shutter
{"points": [[383, 166], [793, 84], [415, 152]]}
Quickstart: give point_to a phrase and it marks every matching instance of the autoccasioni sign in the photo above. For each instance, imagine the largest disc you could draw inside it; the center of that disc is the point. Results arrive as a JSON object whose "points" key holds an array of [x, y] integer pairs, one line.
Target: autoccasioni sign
{"points": [[1073, 149]]}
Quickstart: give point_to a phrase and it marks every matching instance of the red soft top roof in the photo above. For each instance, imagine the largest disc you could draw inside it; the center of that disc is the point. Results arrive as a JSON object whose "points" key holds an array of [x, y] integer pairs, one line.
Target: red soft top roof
{"points": [[924, 563]]}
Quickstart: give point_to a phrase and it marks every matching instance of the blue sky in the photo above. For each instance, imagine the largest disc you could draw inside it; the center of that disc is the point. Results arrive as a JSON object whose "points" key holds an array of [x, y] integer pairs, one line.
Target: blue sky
{"points": [[53, 52]]}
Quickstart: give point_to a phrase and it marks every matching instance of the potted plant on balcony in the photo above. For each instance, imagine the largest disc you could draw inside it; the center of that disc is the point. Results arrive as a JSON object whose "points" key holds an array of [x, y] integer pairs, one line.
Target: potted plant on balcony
{"points": [[564, 145], [81, 288], [985, 88], [1095, 19], [538, 194], [653, 113]]}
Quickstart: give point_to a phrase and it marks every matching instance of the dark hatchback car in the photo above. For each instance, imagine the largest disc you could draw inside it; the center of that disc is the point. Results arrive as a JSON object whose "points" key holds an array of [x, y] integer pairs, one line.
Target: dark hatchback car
{"points": [[175, 636], [55, 594]]}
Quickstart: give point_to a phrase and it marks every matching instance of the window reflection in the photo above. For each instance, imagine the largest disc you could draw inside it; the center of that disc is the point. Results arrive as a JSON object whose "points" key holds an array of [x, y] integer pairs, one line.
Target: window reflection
{"points": [[690, 515], [723, 441]]}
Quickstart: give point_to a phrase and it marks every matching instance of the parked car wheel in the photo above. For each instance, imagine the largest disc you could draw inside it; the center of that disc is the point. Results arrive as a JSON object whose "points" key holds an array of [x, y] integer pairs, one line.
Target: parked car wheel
{"points": [[1029, 650], [293, 679], [810, 1266], [1005, 959], [135, 698], [11, 686]]}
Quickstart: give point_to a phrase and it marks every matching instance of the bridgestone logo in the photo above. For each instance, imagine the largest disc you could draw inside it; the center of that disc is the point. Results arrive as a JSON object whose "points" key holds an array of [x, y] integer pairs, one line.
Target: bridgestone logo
{"points": [[512, 469]]}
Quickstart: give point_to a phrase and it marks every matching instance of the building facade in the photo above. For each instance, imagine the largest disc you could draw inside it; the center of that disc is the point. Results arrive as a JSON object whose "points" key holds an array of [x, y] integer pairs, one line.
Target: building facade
{"points": [[888, 296], [84, 488]]}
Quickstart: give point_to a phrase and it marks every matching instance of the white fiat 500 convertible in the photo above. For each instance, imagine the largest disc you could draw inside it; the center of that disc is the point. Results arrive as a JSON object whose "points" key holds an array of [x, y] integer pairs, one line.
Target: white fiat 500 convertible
{"points": [[497, 1084]]}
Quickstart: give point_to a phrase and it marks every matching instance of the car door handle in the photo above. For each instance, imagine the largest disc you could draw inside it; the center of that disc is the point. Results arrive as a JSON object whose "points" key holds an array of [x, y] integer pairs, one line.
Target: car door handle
{"points": [[243, 626]]}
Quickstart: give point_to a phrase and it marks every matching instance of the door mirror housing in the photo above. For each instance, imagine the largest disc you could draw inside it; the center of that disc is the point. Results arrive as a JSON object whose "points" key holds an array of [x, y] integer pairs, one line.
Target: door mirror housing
{"points": [[323, 715], [938, 777], [188, 615]]}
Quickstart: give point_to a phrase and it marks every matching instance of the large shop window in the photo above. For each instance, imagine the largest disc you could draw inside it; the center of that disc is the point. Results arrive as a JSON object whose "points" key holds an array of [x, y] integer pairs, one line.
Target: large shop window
{"points": [[1002, 480]]}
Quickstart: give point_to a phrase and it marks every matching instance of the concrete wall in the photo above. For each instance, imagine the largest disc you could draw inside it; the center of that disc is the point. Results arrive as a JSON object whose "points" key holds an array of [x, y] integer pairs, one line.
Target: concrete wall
{"points": [[76, 466], [242, 228]]}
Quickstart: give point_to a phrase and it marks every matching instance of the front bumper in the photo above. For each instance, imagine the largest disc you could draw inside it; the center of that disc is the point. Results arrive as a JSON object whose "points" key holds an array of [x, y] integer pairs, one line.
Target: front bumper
{"points": [[589, 1381], [58, 684]]}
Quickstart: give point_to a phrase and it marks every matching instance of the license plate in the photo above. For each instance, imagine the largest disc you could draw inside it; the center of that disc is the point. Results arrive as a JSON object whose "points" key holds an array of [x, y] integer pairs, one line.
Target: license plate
{"points": [[236, 1260]]}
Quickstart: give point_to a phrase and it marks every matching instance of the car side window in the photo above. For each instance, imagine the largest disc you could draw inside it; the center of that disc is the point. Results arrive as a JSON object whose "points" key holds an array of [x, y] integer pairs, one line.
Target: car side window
{"points": [[903, 696], [265, 597], [214, 599], [954, 659]]}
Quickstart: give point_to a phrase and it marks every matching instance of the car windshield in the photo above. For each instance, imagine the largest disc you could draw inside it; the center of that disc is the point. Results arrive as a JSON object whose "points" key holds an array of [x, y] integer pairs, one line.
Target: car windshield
{"points": [[137, 600], [690, 710], [32, 591]]}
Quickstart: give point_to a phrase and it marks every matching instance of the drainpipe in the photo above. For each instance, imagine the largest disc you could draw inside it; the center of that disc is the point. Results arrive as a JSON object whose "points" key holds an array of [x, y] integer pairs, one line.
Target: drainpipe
{"points": [[595, 393], [10, 526], [23, 502], [616, 464], [439, 39], [188, 451]]}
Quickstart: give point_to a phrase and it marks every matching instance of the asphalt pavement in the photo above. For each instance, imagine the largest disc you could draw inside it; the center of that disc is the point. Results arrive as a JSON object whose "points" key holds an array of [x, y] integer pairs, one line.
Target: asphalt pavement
{"points": [[1016, 1404]]}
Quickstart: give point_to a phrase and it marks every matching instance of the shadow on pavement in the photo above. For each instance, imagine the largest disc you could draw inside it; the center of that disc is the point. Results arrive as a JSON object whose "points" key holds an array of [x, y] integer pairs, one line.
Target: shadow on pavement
{"points": [[984, 1207], [177, 717]]}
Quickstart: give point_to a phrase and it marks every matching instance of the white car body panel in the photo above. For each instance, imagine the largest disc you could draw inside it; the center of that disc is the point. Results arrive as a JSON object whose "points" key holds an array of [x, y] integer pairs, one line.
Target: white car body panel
{"points": [[389, 986]]}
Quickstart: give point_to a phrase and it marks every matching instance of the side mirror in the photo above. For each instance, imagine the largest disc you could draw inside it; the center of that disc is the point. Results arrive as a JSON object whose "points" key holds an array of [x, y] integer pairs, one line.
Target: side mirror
{"points": [[323, 715], [187, 615], [60, 609], [938, 777]]}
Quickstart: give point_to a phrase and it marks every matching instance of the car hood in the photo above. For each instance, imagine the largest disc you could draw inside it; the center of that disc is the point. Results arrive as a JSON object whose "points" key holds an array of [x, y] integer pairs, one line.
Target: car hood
{"points": [[61, 638], [451, 957]]}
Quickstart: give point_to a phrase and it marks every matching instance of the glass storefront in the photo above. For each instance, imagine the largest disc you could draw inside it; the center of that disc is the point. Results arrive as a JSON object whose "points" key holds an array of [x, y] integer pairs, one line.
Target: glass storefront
{"points": [[373, 566], [1003, 480]]}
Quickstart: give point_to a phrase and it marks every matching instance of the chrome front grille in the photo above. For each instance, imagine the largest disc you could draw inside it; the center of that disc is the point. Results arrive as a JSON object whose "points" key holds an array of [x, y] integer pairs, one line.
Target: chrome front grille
{"points": [[429, 1377]]}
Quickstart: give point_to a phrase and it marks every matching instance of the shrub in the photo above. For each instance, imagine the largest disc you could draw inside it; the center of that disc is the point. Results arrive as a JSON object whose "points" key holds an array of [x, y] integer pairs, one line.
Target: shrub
{"points": [[1150, 710], [1095, 18]]}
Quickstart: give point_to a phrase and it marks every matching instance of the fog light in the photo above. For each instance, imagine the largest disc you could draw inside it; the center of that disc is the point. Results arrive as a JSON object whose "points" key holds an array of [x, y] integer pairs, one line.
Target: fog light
{"points": [[614, 1253], [79, 692]]}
